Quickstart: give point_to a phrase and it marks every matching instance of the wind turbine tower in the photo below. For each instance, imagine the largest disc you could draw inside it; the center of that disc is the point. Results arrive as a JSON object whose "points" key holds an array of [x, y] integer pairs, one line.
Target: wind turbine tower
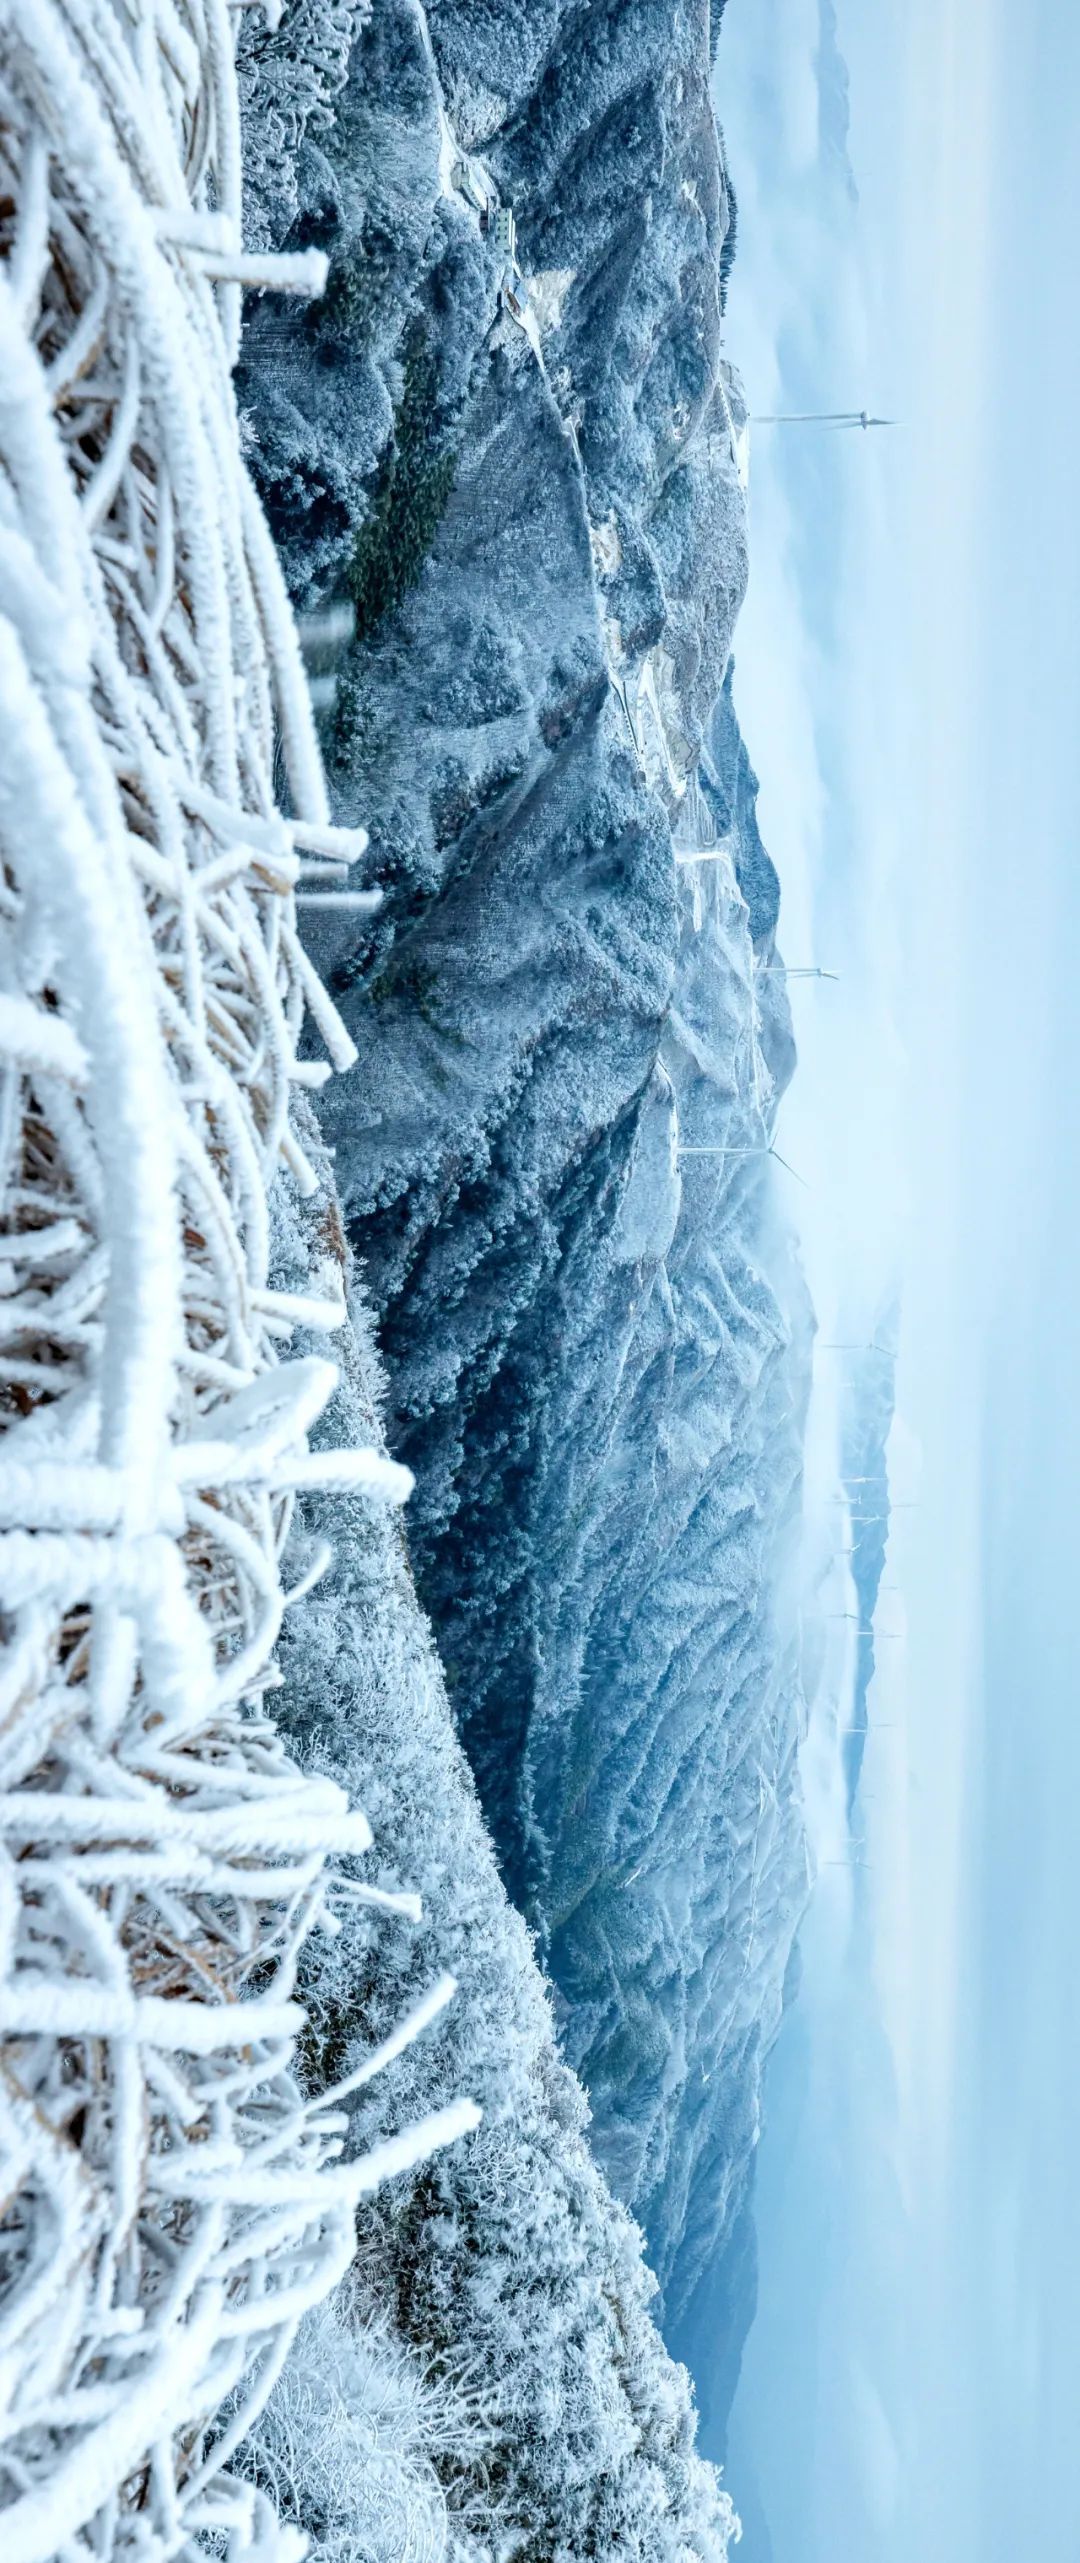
{"points": [[821, 418]]}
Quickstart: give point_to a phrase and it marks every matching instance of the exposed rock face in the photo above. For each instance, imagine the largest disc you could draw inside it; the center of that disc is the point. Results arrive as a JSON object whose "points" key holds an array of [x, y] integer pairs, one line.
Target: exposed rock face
{"points": [[595, 1340]]}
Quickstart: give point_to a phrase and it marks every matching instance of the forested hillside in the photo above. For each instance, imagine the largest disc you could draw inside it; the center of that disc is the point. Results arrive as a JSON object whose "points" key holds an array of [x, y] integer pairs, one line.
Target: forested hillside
{"points": [[506, 2267], [516, 457]]}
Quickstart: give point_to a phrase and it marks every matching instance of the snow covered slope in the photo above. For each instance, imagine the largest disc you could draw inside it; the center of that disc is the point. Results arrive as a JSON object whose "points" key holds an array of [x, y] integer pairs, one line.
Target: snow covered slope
{"points": [[507, 2268], [529, 487]]}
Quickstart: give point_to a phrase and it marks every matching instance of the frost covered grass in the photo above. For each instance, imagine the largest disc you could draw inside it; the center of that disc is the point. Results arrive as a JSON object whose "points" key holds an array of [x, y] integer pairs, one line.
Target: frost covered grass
{"points": [[173, 2205]]}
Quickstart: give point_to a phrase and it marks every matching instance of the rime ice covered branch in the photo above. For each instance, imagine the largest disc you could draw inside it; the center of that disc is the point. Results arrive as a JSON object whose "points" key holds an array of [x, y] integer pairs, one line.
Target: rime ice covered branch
{"points": [[170, 2204]]}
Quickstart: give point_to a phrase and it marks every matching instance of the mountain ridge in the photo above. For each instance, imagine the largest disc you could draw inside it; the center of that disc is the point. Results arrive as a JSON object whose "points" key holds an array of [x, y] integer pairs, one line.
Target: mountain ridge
{"points": [[554, 1153]]}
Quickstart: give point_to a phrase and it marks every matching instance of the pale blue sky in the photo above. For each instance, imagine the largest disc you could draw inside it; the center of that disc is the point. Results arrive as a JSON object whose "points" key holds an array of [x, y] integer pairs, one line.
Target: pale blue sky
{"points": [[908, 671]]}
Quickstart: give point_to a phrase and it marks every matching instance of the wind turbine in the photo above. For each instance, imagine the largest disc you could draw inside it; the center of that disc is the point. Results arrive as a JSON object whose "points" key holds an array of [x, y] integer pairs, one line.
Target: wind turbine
{"points": [[691, 1151], [821, 418], [886, 1349]]}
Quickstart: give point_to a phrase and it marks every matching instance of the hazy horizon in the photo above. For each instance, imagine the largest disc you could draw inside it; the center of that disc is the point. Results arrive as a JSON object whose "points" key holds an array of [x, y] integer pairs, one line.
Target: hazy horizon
{"points": [[905, 675]]}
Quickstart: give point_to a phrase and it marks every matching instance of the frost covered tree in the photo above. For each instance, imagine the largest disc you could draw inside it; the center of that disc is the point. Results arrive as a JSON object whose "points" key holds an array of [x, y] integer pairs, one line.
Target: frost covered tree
{"points": [[172, 2203]]}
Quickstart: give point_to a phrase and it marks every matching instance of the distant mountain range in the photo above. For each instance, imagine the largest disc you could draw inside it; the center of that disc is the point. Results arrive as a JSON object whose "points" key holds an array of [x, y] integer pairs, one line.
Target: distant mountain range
{"points": [[834, 98], [867, 1415]]}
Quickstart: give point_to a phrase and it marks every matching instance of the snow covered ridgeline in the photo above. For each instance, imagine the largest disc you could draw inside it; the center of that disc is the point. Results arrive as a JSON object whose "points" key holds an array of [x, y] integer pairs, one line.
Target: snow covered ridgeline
{"points": [[171, 2203], [553, 1159]]}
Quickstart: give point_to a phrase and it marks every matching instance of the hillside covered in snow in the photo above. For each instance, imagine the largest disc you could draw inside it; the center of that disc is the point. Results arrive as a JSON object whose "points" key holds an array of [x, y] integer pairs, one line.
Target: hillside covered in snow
{"points": [[506, 2271], [304, 2244], [508, 447]]}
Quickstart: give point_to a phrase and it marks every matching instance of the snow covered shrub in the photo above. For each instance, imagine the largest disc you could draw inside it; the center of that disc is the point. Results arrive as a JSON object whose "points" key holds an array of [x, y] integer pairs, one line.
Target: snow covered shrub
{"points": [[345, 2444], [291, 79], [172, 2204]]}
